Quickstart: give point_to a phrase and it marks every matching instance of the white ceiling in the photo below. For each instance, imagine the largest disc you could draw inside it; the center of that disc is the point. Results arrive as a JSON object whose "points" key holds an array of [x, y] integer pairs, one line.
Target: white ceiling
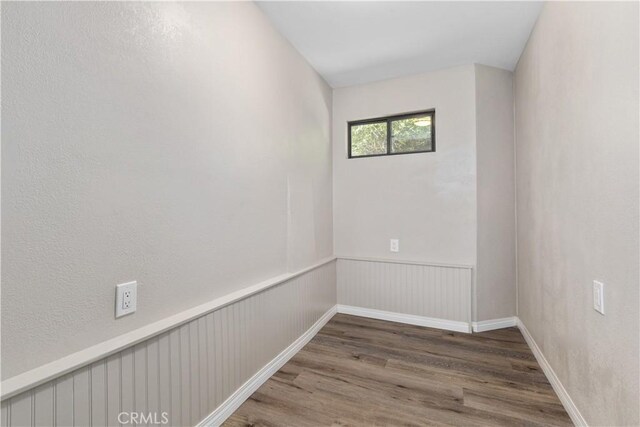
{"points": [[357, 42]]}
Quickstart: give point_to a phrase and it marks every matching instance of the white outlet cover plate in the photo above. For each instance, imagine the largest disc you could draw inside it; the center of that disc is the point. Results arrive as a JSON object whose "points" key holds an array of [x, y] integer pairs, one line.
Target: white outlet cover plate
{"points": [[126, 298], [394, 245], [598, 296]]}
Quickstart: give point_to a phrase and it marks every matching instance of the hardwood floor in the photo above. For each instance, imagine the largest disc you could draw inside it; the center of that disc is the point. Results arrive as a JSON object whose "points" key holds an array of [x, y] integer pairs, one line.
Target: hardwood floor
{"points": [[364, 372]]}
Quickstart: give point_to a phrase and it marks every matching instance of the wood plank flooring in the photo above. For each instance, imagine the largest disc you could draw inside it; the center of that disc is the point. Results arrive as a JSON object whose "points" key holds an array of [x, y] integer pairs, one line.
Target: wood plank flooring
{"points": [[365, 372]]}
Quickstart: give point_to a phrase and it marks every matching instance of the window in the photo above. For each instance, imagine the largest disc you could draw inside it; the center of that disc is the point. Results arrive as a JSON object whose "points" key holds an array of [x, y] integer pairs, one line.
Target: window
{"points": [[401, 134]]}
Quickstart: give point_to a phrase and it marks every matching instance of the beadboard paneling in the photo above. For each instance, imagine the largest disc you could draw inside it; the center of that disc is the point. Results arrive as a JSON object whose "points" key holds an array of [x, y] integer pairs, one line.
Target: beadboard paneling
{"points": [[441, 292], [187, 371]]}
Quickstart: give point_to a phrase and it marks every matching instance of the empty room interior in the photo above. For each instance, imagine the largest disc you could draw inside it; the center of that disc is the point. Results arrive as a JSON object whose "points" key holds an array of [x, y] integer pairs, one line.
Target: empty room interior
{"points": [[320, 213]]}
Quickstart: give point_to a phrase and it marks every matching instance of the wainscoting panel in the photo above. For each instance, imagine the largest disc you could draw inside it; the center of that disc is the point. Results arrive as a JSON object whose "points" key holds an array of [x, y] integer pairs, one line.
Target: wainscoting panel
{"points": [[186, 372], [430, 291]]}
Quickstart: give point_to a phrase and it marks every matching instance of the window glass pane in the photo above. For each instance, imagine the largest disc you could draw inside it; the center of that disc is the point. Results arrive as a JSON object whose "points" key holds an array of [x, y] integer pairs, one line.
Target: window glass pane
{"points": [[412, 134], [368, 139]]}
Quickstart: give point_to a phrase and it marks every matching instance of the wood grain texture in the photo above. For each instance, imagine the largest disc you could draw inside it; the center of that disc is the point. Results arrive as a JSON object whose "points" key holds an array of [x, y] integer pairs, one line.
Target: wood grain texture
{"points": [[364, 372]]}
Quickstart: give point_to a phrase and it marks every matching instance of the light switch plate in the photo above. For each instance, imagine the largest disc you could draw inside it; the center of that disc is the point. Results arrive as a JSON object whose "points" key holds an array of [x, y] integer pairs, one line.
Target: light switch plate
{"points": [[126, 298], [394, 245], [598, 296]]}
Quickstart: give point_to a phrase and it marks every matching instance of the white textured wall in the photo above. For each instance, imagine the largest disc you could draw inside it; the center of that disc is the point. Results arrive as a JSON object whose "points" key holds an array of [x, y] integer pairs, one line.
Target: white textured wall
{"points": [[496, 264], [577, 191], [454, 206], [426, 200], [182, 145]]}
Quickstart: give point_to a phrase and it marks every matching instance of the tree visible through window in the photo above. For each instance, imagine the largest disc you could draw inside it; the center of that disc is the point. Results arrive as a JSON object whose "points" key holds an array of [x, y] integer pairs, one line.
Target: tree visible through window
{"points": [[406, 133]]}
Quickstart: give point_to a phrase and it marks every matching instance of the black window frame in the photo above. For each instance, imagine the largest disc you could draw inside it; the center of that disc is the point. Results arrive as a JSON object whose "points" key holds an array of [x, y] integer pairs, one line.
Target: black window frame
{"points": [[388, 120]]}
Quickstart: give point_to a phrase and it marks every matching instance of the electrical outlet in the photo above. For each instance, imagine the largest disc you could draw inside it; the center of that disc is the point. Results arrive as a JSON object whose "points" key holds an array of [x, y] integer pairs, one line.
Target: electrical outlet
{"points": [[126, 298], [394, 245], [598, 296]]}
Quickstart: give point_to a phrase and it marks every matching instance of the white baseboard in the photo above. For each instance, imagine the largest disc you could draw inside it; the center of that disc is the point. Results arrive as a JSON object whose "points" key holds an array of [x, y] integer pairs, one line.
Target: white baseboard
{"points": [[562, 393], [233, 402], [490, 325], [430, 322]]}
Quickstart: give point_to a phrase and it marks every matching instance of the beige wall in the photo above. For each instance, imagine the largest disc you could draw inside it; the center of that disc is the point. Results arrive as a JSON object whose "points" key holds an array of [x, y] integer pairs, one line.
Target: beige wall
{"points": [[426, 200], [577, 194], [496, 263], [182, 145]]}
